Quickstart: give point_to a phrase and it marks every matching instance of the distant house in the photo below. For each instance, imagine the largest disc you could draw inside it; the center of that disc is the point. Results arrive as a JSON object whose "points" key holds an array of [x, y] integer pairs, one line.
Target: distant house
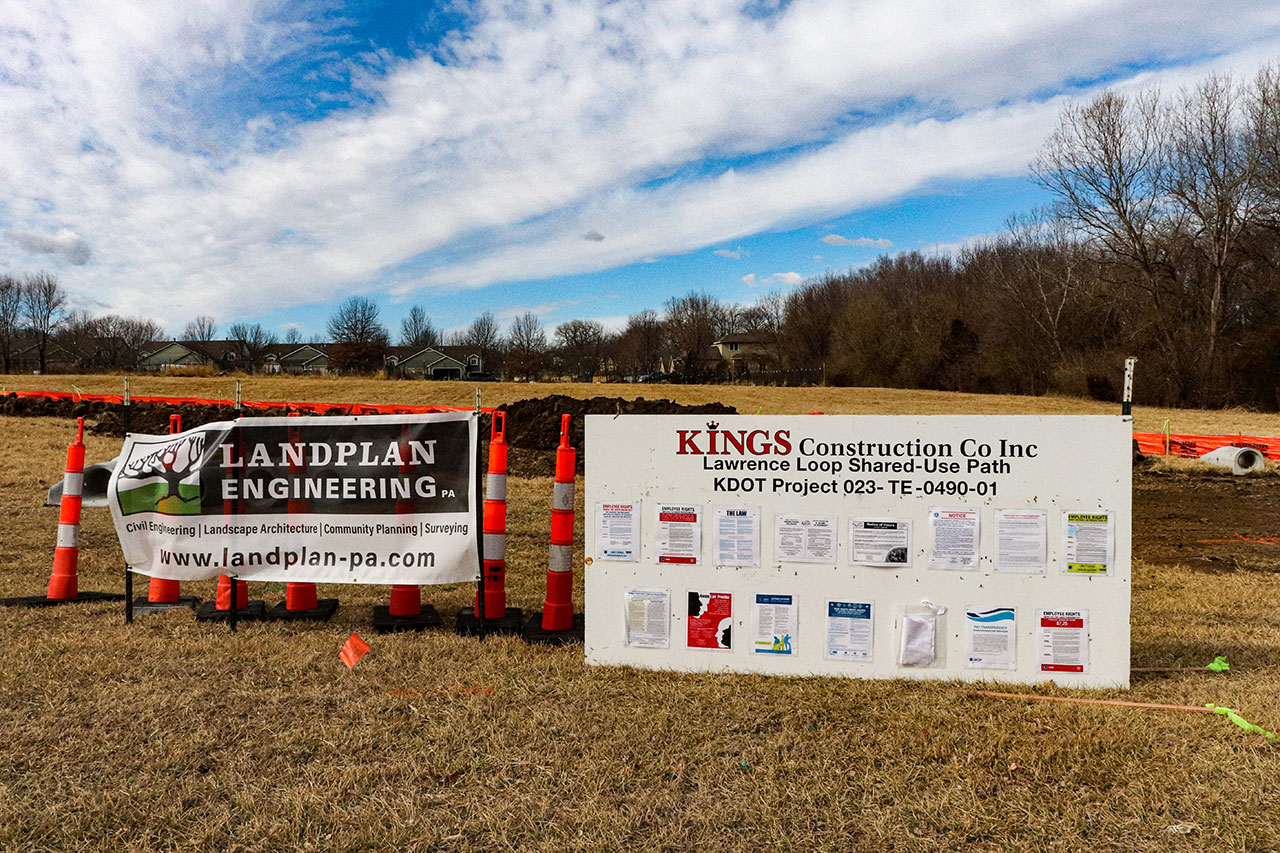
{"points": [[444, 362], [747, 352], [56, 359], [295, 359], [167, 355]]}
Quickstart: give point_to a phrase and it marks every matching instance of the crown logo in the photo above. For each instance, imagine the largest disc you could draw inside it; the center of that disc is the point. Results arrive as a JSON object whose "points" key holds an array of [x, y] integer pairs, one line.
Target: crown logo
{"points": [[712, 425]]}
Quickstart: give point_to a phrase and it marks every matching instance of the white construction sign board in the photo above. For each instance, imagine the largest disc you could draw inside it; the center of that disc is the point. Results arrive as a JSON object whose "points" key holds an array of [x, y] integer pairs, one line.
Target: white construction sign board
{"points": [[980, 548]]}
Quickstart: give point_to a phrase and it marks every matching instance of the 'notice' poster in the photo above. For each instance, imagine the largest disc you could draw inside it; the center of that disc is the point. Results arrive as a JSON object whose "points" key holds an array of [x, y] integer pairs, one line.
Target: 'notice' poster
{"points": [[805, 539], [710, 620], [955, 539], [1063, 640], [679, 534]]}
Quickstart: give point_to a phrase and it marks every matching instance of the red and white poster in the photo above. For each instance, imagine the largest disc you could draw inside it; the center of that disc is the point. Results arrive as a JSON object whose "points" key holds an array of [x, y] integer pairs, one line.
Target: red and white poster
{"points": [[710, 620], [1064, 640], [679, 534]]}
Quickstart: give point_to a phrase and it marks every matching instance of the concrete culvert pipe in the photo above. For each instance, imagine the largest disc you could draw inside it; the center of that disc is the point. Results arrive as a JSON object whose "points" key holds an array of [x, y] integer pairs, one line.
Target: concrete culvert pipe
{"points": [[1239, 460]]}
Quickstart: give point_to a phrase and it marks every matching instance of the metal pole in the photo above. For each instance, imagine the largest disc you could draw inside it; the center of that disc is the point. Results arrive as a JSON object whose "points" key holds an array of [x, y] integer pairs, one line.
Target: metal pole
{"points": [[125, 420], [238, 389], [231, 615], [1126, 406], [128, 593]]}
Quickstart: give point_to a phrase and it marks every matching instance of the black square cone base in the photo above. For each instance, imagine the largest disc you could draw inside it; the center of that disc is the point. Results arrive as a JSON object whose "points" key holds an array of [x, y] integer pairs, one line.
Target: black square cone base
{"points": [[467, 625], [45, 601], [533, 632], [385, 623], [141, 607], [254, 611], [322, 612]]}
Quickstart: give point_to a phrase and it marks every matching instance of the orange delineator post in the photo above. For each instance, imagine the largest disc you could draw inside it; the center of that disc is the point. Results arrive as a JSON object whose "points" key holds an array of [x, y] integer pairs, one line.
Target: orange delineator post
{"points": [[63, 582], [405, 611], [300, 596], [164, 590], [495, 523], [557, 610], [64, 586], [220, 608]]}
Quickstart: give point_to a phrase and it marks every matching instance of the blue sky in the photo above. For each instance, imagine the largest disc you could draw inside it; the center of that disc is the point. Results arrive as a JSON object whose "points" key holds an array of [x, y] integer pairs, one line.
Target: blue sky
{"points": [[263, 161]]}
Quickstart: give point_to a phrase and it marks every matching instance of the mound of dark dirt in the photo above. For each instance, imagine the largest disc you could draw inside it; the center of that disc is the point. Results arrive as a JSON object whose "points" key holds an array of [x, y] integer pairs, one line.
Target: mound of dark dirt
{"points": [[533, 426]]}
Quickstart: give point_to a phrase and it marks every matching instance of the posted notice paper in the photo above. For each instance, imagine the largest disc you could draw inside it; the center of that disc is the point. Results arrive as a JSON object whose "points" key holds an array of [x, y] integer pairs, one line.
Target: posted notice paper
{"points": [[954, 539], [805, 539], [617, 536], [849, 630], [1063, 640], [1022, 540], [710, 620], [991, 637], [679, 534], [648, 618], [773, 624], [880, 541], [1088, 543], [737, 535]]}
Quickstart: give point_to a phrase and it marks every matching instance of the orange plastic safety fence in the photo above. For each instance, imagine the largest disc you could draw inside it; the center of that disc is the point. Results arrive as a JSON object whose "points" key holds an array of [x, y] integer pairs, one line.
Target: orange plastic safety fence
{"points": [[1158, 444]]}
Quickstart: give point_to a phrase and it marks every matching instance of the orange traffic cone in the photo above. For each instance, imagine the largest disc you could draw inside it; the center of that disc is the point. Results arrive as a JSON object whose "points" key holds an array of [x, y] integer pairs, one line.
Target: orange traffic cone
{"points": [[63, 582], [301, 601], [498, 618], [219, 610], [405, 612], [557, 623], [164, 593]]}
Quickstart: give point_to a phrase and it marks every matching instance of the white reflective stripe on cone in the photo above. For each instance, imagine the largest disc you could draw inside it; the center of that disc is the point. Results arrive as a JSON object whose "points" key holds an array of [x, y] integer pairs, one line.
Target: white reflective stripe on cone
{"points": [[68, 536], [495, 546], [496, 488], [560, 558], [72, 484], [562, 496]]}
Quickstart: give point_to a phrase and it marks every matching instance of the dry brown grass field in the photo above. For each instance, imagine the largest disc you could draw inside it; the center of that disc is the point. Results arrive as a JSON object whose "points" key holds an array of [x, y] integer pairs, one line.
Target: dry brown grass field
{"points": [[168, 735]]}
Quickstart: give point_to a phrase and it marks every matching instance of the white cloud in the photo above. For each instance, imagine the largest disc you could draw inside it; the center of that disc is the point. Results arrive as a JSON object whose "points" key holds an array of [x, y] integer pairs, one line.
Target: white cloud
{"points": [[790, 279], [817, 258], [734, 254], [749, 279], [837, 240], [551, 123]]}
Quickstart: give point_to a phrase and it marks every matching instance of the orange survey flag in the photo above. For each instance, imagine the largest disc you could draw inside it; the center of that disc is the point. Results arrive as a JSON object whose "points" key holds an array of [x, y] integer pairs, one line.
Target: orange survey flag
{"points": [[354, 649]]}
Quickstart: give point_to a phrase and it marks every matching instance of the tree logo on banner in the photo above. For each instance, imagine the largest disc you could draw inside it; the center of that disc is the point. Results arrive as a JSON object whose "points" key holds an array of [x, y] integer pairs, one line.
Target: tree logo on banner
{"points": [[164, 478]]}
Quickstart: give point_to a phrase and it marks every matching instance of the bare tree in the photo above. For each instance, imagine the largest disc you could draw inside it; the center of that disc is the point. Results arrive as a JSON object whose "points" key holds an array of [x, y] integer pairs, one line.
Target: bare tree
{"points": [[485, 335], [581, 346], [125, 339], [359, 338], [417, 331], [693, 322], [43, 301], [637, 350], [254, 339], [10, 318], [526, 347], [1212, 178], [293, 336], [80, 334], [202, 328]]}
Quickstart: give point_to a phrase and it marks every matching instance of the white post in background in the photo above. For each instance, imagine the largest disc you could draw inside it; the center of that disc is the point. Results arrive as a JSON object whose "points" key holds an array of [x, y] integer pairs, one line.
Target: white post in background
{"points": [[477, 401], [1126, 405], [238, 388]]}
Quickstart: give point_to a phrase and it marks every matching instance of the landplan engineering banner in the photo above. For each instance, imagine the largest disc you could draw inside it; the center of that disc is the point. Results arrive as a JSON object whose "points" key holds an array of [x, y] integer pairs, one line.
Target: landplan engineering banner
{"points": [[383, 499]]}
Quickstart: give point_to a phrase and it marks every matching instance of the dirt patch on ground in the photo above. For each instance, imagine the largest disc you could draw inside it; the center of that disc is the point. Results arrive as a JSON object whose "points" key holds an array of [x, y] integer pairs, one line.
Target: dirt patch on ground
{"points": [[533, 426], [1207, 521]]}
